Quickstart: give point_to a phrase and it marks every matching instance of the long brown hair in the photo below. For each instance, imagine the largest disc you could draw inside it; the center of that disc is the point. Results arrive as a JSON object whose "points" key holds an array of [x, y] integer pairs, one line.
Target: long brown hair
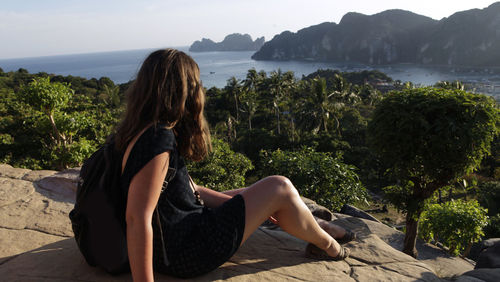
{"points": [[167, 90]]}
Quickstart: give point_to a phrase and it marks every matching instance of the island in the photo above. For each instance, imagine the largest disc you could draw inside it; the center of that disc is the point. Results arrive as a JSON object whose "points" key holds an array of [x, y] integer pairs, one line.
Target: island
{"points": [[232, 42]]}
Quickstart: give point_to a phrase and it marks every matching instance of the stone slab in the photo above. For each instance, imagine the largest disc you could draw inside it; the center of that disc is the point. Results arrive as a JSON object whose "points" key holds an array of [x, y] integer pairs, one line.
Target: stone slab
{"points": [[13, 190], [11, 172]]}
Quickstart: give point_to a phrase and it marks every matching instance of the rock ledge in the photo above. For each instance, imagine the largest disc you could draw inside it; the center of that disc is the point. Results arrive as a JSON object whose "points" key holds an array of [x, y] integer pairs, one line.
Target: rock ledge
{"points": [[36, 244]]}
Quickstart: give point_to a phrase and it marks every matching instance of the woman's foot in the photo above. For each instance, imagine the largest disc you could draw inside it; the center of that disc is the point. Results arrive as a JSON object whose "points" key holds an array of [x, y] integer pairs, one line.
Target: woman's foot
{"points": [[340, 234], [348, 237], [313, 252]]}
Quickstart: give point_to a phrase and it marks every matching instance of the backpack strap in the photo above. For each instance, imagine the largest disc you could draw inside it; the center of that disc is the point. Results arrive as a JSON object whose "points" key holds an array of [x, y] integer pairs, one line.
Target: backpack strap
{"points": [[172, 171], [154, 141], [170, 175]]}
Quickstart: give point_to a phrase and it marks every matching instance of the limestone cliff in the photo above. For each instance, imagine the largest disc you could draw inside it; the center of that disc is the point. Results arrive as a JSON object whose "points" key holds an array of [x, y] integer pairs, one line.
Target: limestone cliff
{"points": [[232, 42], [468, 38]]}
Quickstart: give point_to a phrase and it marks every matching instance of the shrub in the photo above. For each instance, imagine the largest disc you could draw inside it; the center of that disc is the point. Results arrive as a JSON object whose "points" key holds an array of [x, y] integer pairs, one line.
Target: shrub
{"points": [[316, 175], [457, 224], [222, 169]]}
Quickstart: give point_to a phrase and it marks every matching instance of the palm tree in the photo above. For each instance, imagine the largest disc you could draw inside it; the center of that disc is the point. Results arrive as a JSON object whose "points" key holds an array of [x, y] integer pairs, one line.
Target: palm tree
{"points": [[321, 99], [343, 91], [111, 95], [249, 95], [280, 85], [233, 88], [321, 104], [450, 85], [368, 95], [294, 103]]}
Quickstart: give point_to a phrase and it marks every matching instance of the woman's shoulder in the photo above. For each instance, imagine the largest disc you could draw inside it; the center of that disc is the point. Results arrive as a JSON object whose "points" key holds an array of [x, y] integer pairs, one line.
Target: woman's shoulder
{"points": [[153, 141], [160, 136]]}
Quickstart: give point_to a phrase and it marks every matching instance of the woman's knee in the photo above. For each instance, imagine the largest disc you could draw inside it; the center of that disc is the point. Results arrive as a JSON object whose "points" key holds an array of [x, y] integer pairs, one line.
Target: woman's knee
{"points": [[282, 186]]}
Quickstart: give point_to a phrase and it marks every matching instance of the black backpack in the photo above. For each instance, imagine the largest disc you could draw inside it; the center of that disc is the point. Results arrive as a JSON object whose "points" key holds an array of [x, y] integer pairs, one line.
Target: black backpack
{"points": [[98, 218]]}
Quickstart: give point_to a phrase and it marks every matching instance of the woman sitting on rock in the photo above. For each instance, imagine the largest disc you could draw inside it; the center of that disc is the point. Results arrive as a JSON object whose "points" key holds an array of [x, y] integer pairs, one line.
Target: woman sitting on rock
{"points": [[163, 124]]}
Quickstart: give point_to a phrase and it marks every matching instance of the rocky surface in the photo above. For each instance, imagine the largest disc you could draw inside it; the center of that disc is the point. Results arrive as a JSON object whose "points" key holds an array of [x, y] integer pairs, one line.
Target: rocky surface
{"points": [[477, 248], [36, 244], [489, 257]]}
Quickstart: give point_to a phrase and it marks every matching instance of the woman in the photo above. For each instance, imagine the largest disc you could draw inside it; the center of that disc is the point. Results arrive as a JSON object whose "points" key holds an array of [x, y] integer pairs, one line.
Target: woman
{"points": [[163, 124]]}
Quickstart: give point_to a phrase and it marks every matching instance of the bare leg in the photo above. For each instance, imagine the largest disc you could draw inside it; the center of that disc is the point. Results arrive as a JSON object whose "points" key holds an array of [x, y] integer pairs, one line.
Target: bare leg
{"points": [[275, 195], [334, 230]]}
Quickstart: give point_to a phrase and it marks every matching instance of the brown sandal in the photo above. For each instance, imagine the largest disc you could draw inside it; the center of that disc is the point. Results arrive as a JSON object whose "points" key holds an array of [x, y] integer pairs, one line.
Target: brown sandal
{"points": [[348, 237], [314, 252]]}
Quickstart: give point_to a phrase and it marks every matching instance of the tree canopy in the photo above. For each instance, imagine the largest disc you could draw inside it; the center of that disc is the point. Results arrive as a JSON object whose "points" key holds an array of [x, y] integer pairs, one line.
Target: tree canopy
{"points": [[428, 138]]}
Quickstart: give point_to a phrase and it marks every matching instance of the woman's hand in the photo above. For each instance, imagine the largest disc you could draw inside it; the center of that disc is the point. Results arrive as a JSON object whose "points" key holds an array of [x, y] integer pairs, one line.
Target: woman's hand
{"points": [[273, 220]]}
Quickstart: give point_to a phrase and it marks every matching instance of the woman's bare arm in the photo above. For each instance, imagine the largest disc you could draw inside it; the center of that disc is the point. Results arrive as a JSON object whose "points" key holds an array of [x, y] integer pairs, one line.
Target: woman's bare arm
{"points": [[143, 195], [234, 192], [212, 198]]}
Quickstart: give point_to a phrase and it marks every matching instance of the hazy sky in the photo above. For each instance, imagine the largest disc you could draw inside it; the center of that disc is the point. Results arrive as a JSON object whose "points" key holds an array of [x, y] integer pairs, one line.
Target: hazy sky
{"points": [[30, 28]]}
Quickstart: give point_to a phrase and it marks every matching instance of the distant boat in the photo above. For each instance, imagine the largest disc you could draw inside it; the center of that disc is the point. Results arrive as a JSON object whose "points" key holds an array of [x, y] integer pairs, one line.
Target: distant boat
{"points": [[212, 72]]}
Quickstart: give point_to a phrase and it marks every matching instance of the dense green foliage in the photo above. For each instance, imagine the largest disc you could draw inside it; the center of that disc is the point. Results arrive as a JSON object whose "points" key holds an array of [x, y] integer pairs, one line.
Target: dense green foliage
{"points": [[283, 125], [222, 170], [355, 78], [318, 176], [434, 133], [277, 111], [428, 138], [54, 122], [456, 224]]}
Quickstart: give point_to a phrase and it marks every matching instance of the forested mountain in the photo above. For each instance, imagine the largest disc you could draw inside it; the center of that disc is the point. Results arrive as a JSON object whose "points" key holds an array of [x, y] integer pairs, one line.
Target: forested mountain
{"points": [[470, 38], [232, 42]]}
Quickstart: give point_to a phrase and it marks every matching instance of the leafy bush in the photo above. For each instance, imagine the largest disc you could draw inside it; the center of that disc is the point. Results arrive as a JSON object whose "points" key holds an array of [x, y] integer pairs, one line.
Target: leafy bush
{"points": [[457, 224], [53, 122], [222, 170], [316, 175]]}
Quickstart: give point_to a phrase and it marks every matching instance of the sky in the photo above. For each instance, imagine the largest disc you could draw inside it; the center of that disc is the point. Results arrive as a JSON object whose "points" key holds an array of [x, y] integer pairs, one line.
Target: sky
{"points": [[32, 28]]}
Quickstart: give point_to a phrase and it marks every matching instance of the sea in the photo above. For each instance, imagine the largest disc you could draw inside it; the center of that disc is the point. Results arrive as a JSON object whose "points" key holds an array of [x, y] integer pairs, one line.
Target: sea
{"points": [[217, 67]]}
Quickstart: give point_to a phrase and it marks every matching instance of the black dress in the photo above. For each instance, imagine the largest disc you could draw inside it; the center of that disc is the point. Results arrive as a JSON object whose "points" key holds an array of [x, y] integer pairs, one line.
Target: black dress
{"points": [[198, 239]]}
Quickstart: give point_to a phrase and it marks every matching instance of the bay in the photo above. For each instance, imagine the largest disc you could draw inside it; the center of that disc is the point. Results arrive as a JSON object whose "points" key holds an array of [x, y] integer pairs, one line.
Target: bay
{"points": [[217, 67]]}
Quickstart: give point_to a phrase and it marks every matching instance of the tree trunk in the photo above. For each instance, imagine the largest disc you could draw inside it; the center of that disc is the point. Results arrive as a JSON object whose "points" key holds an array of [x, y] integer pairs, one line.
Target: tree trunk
{"points": [[323, 119], [278, 116], [338, 126], [236, 107], [411, 235], [467, 250], [57, 134]]}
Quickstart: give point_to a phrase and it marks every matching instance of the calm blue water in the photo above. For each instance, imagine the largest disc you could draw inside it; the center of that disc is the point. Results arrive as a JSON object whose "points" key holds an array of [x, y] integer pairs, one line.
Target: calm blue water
{"points": [[217, 67]]}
